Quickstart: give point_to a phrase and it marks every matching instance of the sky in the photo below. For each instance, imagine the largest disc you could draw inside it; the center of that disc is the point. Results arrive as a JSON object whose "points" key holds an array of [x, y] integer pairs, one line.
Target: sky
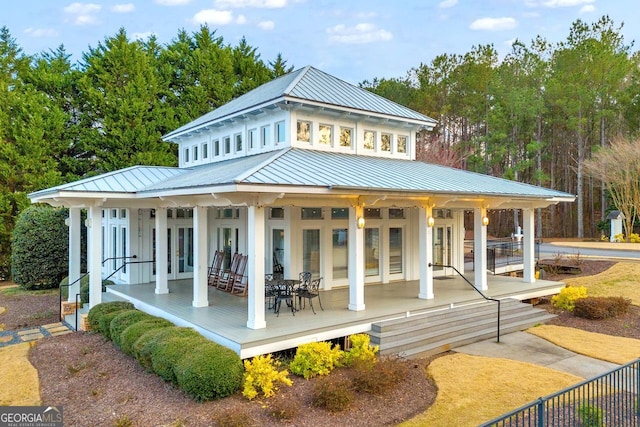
{"points": [[355, 40]]}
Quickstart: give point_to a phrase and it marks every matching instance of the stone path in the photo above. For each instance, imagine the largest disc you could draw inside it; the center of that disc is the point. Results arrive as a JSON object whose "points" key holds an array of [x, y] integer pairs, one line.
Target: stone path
{"points": [[33, 333]]}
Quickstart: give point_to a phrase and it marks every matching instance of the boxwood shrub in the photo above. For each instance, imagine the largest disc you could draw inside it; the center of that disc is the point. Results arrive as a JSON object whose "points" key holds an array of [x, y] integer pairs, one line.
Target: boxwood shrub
{"points": [[124, 320], [169, 351], [104, 325], [130, 335], [97, 311], [147, 344], [210, 372]]}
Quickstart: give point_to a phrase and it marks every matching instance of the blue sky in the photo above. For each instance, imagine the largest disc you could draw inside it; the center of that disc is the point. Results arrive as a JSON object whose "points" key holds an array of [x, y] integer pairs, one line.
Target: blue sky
{"points": [[354, 40]]}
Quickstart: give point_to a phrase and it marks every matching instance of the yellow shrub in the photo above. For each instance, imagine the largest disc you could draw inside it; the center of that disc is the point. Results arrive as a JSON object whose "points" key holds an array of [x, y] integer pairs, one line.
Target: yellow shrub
{"points": [[567, 297], [315, 358], [262, 375], [634, 238], [361, 350]]}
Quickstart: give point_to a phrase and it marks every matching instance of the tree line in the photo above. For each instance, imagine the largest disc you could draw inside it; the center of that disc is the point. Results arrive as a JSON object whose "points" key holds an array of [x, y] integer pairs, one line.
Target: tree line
{"points": [[61, 121], [535, 116]]}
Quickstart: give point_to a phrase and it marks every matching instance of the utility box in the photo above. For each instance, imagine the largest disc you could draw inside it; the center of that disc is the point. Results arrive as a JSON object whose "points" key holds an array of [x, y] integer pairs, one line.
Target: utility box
{"points": [[616, 218]]}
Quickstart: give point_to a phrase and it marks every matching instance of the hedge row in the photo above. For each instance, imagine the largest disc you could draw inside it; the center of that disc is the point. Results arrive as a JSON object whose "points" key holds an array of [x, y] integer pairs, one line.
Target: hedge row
{"points": [[206, 371]]}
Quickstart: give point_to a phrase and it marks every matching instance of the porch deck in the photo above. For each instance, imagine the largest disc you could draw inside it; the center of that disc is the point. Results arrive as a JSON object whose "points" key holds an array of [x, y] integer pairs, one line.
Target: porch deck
{"points": [[225, 319]]}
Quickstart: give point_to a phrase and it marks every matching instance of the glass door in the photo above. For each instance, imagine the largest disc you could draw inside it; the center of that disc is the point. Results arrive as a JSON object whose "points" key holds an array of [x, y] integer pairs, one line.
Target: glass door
{"points": [[277, 244], [442, 247], [372, 253], [184, 252], [311, 251]]}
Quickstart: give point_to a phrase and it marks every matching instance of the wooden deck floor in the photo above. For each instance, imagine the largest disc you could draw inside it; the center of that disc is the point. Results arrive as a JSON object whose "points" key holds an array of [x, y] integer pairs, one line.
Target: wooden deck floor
{"points": [[225, 319]]}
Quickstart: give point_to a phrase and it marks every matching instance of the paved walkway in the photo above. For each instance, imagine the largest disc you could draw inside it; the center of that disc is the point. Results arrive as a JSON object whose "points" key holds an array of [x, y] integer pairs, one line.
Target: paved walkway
{"points": [[525, 347], [33, 333]]}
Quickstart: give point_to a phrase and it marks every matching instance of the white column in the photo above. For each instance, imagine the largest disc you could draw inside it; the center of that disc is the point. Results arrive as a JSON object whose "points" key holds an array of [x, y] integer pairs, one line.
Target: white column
{"points": [[200, 262], [356, 260], [479, 249], [75, 249], [426, 253], [255, 263], [528, 242], [162, 263], [94, 223]]}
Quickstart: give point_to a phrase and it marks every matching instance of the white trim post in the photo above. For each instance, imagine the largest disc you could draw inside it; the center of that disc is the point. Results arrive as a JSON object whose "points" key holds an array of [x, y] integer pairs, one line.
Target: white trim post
{"points": [[200, 262], [479, 249], [425, 232], [255, 264], [94, 225], [75, 250], [162, 252], [528, 242], [356, 259]]}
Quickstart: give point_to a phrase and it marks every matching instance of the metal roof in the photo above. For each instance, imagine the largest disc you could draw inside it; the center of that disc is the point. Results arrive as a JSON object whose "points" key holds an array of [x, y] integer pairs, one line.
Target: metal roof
{"points": [[307, 84]]}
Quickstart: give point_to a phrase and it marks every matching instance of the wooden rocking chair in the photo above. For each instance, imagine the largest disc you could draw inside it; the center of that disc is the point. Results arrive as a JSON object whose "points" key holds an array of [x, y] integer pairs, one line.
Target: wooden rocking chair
{"points": [[225, 279], [239, 281], [215, 269]]}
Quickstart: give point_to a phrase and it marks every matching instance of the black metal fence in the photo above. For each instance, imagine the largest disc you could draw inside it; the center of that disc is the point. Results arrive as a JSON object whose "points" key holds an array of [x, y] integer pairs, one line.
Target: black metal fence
{"points": [[501, 252], [611, 399]]}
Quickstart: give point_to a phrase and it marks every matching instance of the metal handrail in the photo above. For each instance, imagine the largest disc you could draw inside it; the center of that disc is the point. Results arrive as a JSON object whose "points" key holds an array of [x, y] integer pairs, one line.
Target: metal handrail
{"points": [[476, 289], [118, 257], [68, 285], [124, 264]]}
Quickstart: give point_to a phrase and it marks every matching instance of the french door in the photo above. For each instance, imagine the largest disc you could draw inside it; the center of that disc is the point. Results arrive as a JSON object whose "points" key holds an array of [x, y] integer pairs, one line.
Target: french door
{"points": [[442, 249], [179, 251]]}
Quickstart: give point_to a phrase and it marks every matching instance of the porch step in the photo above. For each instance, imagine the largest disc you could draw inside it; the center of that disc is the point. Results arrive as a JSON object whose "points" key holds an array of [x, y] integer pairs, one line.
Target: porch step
{"points": [[440, 331]]}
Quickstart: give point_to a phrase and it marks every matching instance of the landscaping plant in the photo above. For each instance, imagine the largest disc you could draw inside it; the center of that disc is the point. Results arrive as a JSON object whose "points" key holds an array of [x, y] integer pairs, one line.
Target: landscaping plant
{"points": [[567, 297], [315, 358], [261, 375]]}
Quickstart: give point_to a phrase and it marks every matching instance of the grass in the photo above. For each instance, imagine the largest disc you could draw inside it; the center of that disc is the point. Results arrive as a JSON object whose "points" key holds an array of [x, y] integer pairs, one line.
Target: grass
{"points": [[473, 389], [19, 384], [619, 280], [16, 291]]}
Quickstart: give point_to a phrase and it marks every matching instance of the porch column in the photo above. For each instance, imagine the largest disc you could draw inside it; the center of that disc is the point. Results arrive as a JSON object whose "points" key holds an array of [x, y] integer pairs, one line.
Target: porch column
{"points": [[528, 242], [75, 250], [200, 262], [162, 263], [94, 225], [356, 259], [479, 249], [256, 252], [425, 232]]}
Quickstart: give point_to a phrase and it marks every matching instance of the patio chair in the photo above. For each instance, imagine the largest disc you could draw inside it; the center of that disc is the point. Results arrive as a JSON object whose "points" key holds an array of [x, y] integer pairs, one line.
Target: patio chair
{"points": [[215, 269], [269, 288], [311, 291], [239, 280], [284, 291], [224, 282]]}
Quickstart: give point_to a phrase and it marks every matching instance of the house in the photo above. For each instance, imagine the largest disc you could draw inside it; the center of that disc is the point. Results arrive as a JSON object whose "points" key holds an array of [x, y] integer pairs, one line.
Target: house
{"points": [[306, 172]]}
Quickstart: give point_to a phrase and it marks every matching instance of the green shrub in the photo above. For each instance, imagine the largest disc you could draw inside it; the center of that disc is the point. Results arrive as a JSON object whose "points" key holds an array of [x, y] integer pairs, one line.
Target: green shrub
{"points": [[84, 288], [122, 321], [332, 394], [97, 311], [315, 358], [567, 297], [590, 415], [104, 325], [147, 344], [169, 351], [261, 375], [130, 335], [361, 350], [597, 308], [210, 372], [379, 377], [39, 247]]}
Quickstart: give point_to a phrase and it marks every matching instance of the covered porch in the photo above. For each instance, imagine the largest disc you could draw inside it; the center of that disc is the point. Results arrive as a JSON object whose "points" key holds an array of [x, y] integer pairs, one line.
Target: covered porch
{"points": [[224, 319]]}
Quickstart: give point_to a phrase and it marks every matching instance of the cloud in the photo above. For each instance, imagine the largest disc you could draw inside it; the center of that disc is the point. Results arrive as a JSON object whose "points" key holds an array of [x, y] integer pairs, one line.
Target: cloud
{"points": [[142, 36], [172, 2], [213, 16], [493, 24], [123, 8], [359, 34], [241, 19], [41, 32], [565, 3], [82, 13], [266, 25], [445, 4], [588, 8], [258, 4]]}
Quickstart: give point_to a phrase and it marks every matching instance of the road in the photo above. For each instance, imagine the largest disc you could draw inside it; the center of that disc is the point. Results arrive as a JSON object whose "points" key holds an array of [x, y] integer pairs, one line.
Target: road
{"points": [[597, 250]]}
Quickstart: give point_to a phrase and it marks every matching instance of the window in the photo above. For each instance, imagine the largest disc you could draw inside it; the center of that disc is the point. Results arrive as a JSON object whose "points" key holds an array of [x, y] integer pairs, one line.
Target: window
{"points": [[195, 153], [238, 139], [396, 213], [371, 252], [369, 140], [123, 213], [227, 144], [205, 150], [186, 155], [311, 213], [395, 250], [402, 144], [265, 134], [373, 213], [253, 141], [340, 253], [280, 132], [311, 251], [346, 137], [114, 213], [276, 213], [339, 213], [216, 147], [385, 142], [303, 131], [325, 134]]}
